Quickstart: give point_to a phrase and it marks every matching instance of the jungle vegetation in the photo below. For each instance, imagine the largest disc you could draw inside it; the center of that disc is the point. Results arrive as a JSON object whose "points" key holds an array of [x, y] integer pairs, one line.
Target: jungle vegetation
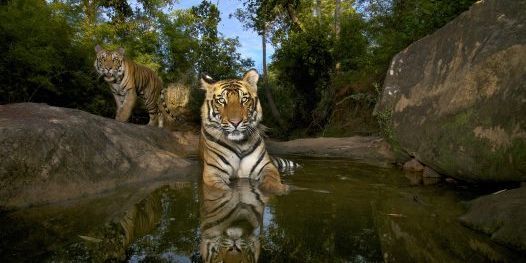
{"points": [[324, 78]]}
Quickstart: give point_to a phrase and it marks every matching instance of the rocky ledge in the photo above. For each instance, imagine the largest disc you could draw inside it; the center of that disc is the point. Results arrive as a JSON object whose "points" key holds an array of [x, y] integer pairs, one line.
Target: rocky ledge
{"points": [[500, 215], [52, 154], [370, 150], [49, 154]]}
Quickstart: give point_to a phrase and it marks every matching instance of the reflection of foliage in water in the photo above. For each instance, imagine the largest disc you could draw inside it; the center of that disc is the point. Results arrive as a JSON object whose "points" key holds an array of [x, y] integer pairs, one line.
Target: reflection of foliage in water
{"points": [[368, 213], [320, 229], [175, 237]]}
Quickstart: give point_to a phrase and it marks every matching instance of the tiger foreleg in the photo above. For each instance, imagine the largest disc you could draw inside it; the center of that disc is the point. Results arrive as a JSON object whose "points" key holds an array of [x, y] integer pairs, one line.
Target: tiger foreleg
{"points": [[160, 121], [154, 120], [215, 180], [124, 113], [271, 181]]}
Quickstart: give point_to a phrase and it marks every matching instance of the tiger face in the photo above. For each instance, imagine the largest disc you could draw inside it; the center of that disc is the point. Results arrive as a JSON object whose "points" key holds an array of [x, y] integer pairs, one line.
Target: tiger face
{"points": [[110, 64], [231, 108], [233, 245]]}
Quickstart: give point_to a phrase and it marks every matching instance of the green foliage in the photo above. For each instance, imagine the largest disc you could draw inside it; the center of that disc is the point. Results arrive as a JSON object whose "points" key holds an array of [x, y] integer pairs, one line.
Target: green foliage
{"points": [[304, 64], [40, 63], [47, 49], [217, 55], [330, 53]]}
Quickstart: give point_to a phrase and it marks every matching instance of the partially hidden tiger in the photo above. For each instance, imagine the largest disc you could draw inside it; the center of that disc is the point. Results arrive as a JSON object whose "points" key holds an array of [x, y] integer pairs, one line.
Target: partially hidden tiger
{"points": [[128, 81], [231, 140]]}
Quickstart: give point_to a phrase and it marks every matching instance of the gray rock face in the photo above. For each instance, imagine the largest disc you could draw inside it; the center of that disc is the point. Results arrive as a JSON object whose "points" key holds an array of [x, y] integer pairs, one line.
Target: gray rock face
{"points": [[501, 215], [50, 154], [457, 98]]}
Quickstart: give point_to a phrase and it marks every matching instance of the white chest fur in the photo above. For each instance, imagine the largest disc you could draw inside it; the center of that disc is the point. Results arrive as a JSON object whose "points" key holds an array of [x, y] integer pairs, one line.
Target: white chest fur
{"points": [[249, 164], [116, 89]]}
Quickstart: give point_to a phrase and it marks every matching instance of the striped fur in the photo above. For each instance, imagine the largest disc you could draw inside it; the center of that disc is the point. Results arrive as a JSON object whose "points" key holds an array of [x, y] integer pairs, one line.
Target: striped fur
{"points": [[284, 165], [174, 105], [230, 221], [231, 144], [129, 80]]}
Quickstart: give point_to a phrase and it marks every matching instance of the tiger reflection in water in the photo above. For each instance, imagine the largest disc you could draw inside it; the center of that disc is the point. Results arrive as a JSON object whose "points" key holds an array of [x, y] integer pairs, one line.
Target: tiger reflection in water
{"points": [[231, 221]]}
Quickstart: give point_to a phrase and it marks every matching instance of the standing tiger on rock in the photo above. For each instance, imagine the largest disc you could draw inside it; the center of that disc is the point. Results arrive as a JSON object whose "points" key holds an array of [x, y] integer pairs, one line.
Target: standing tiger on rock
{"points": [[129, 80], [231, 143]]}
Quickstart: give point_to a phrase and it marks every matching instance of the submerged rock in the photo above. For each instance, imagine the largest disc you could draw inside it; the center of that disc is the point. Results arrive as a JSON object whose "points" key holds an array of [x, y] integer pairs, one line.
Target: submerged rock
{"points": [[500, 215], [51, 154], [413, 166], [456, 98]]}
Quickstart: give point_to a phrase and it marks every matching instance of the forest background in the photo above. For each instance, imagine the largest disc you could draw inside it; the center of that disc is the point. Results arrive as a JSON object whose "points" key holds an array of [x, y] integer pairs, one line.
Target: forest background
{"points": [[325, 76]]}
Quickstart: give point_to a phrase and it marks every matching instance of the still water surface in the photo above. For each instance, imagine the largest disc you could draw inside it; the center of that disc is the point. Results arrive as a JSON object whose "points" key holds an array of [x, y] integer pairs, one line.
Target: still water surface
{"points": [[344, 212]]}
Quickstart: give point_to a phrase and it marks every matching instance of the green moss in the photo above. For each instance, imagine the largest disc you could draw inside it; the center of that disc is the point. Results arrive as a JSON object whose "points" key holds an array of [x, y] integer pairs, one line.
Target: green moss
{"points": [[385, 121], [460, 152]]}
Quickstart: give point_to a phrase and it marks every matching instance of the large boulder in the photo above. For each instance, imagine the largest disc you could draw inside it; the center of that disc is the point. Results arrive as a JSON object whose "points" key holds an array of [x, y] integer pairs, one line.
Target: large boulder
{"points": [[50, 154], [456, 99]]}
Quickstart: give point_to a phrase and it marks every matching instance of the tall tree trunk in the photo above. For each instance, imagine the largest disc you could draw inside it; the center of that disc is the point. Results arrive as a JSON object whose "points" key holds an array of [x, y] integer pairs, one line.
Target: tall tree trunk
{"points": [[317, 10], [270, 99], [337, 13], [292, 15], [90, 12]]}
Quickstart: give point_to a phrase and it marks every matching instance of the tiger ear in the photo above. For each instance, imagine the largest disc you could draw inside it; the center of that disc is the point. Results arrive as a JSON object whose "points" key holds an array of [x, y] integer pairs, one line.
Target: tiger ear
{"points": [[121, 51], [206, 81], [98, 48], [252, 77]]}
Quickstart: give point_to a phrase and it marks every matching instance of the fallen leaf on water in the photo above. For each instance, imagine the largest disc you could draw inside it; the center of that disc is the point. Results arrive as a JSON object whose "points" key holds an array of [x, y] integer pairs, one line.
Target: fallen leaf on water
{"points": [[396, 215], [498, 192], [91, 239]]}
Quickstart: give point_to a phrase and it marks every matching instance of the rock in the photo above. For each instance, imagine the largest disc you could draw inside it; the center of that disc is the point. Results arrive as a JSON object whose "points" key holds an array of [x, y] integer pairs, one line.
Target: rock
{"points": [[430, 173], [415, 178], [370, 150], [456, 98], [50, 154], [450, 180], [501, 216], [413, 166], [426, 232]]}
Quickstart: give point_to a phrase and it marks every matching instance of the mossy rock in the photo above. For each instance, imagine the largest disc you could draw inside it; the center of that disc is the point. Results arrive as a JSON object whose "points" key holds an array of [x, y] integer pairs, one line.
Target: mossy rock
{"points": [[458, 96]]}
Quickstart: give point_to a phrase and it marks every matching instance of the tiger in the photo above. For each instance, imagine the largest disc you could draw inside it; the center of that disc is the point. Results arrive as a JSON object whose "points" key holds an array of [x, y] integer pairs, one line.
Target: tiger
{"points": [[174, 108], [231, 143], [231, 222], [128, 80]]}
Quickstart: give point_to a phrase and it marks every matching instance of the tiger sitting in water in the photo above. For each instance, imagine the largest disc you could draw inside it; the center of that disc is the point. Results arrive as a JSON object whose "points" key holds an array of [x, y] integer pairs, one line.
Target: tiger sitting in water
{"points": [[231, 143], [128, 80]]}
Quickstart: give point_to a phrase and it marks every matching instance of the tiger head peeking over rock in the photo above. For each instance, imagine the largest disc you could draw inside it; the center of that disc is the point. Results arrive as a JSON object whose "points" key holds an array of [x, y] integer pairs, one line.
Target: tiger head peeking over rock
{"points": [[128, 81], [231, 143]]}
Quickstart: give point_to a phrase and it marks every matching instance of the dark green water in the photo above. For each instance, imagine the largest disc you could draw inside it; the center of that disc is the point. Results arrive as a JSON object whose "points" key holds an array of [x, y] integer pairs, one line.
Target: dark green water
{"points": [[345, 212]]}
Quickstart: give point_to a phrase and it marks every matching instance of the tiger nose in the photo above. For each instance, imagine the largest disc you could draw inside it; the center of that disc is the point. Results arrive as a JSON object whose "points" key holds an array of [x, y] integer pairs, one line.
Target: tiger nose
{"points": [[235, 121]]}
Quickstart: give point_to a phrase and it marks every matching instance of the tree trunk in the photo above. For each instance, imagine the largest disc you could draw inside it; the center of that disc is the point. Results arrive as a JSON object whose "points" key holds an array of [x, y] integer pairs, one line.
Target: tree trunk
{"points": [[317, 10], [293, 17], [272, 105], [337, 12], [90, 11]]}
